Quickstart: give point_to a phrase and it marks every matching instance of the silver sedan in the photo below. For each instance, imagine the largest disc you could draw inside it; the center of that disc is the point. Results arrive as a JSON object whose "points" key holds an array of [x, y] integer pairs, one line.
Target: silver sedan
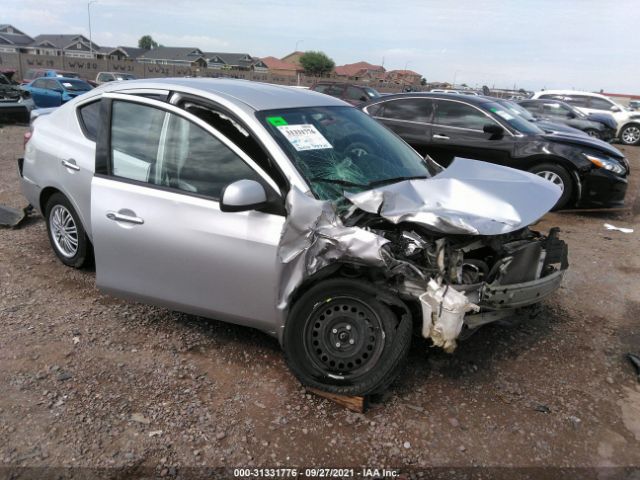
{"points": [[292, 212]]}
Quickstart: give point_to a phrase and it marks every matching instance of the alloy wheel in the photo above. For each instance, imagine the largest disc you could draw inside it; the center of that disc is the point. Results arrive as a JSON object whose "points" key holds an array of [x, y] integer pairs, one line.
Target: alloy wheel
{"points": [[631, 135], [64, 231], [552, 177]]}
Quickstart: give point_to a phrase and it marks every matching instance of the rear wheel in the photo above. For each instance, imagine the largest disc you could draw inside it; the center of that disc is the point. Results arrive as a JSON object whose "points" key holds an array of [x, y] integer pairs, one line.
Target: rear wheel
{"points": [[66, 233], [341, 339], [630, 135], [559, 176]]}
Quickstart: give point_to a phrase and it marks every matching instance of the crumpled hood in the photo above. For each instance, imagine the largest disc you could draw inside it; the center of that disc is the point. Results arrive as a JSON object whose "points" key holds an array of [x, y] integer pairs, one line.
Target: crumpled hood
{"points": [[470, 197], [587, 141]]}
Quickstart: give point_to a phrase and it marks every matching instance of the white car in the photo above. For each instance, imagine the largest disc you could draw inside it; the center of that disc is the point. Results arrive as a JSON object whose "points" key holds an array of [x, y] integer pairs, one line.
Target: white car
{"points": [[628, 121]]}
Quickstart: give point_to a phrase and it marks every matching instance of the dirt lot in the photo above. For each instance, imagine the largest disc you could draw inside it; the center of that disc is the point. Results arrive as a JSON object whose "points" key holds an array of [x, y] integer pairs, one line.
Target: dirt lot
{"points": [[87, 380]]}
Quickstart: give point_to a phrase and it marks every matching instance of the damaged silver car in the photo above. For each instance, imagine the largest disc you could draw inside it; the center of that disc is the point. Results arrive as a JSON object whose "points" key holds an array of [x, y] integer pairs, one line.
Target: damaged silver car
{"points": [[291, 212]]}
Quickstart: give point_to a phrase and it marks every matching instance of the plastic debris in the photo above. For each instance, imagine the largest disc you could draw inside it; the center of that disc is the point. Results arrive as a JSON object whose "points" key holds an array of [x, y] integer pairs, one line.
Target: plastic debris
{"points": [[13, 218], [608, 226], [635, 361]]}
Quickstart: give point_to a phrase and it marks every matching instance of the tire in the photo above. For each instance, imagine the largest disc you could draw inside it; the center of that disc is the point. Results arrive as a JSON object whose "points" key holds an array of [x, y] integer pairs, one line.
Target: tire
{"points": [[342, 339], [561, 177], [67, 236], [630, 134], [592, 132]]}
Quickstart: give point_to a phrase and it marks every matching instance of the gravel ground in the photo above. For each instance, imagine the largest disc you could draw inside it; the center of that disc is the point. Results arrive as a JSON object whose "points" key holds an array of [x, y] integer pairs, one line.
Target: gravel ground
{"points": [[87, 380]]}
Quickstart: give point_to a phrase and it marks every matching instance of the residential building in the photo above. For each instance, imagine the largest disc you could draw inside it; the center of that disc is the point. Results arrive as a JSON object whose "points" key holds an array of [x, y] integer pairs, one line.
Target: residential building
{"points": [[362, 71], [280, 67], [235, 61], [77, 46], [404, 77], [181, 56], [127, 53], [293, 57], [12, 40]]}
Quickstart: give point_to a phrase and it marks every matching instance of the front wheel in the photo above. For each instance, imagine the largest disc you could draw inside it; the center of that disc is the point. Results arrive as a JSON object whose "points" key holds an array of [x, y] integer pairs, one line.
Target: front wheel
{"points": [[592, 132], [342, 339], [559, 176], [630, 135], [66, 233]]}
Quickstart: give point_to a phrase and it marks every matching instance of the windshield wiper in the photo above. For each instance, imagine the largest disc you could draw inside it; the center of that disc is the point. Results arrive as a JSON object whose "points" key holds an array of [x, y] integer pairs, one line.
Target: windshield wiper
{"points": [[337, 181], [395, 180]]}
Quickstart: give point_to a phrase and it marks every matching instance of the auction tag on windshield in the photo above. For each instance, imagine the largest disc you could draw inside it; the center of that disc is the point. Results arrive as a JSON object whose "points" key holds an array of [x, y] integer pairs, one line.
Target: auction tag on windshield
{"points": [[67, 84], [304, 137], [506, 115]]}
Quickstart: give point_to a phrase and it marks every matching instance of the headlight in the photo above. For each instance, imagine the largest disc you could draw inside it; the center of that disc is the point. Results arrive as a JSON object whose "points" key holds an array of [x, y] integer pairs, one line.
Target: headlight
{"points": [[606, 163]]}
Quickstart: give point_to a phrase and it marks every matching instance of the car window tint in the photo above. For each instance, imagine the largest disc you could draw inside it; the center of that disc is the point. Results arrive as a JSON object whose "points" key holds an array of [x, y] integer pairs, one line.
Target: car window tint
{"points": [[355, 93], [556, 110], [532, 107], [599, 104], [412, 109], [197, 162], [321, 88], [135, 137], [52, 85], [89, 115], [375, 110], [39, 84], [576, 100], [456, 114]]}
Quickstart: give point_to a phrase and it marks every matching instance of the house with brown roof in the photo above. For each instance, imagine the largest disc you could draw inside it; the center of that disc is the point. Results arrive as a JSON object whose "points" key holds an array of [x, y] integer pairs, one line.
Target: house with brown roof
{"points": [[360, 71], [280, 67], [293, 57], [404, 77]]}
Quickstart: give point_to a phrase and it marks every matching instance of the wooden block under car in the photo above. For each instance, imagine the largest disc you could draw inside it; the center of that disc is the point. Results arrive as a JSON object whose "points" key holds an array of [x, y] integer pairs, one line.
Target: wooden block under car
{"points": [[355, 404]]}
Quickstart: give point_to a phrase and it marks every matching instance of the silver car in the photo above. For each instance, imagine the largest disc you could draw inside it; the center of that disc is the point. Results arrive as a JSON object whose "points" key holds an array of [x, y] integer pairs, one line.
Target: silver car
{"points": [[292, 212]]}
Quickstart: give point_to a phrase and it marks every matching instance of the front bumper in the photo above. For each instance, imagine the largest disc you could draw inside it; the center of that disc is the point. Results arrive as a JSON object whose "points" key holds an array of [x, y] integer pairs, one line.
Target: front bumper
{"points": [[602, 188]]}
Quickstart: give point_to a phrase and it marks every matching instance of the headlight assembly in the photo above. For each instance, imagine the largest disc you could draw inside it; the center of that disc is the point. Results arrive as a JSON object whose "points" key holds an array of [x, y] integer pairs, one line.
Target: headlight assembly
{"points": [[606, 163]]}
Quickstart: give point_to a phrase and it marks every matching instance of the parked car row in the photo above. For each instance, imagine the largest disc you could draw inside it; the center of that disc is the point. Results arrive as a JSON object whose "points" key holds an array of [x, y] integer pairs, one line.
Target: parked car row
{"points": [[589, 172], [16, 104]]}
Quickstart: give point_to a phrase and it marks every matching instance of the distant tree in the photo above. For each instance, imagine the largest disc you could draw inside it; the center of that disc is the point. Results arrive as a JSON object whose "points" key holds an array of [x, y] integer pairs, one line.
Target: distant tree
{"points": [[423, 81], [147, 42], [316, 63], [464, 85]]}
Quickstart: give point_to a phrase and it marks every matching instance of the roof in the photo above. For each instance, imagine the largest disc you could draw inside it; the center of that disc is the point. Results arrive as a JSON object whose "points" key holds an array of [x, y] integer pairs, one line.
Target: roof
{"points": [[351, 69], [130, 52], [244, 93], [16, 37], [187, 54], [62, 41], [239, 59], [274, 63], [405, 72], [474, 99]]}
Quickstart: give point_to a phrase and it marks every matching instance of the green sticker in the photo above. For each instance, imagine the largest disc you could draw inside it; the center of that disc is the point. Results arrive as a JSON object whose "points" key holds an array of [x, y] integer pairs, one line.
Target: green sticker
{"points": [[277, 121]]}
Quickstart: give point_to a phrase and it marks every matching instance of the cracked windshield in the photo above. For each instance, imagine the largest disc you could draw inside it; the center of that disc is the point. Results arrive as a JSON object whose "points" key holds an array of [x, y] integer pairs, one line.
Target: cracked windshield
{"points": [[340, 148]]}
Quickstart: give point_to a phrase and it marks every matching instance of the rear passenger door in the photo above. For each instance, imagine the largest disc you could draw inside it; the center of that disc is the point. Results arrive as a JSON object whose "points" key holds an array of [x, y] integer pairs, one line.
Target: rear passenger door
{"points": [[158, 231], [408, 117], [457, 131]]}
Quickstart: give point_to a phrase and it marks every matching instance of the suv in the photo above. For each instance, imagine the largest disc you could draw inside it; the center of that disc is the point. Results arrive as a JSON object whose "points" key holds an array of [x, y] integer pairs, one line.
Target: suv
{"points": [[628, 130], [349, 92], [255, 204], [445, 126], [104, 77]]}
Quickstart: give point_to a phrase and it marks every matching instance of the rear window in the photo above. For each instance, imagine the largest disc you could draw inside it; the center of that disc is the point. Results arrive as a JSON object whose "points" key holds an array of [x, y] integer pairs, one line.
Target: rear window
{"points": [[89, 115]]}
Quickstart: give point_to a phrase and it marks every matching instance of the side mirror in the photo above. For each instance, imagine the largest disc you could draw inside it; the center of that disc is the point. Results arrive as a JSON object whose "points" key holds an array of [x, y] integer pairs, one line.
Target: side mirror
{"points": [[496, 131], [615, 108], [571, 115], [363, 98], [242, 195]]}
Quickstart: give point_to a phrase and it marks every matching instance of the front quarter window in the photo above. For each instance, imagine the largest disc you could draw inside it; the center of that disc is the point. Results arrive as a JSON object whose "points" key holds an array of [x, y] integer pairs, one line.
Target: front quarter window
{"points": [[341, 148]]}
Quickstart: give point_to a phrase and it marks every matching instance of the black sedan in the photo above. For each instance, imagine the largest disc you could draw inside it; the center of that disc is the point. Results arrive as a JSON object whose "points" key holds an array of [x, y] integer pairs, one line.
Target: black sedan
{"points": [[589, 172], [602, 126]]}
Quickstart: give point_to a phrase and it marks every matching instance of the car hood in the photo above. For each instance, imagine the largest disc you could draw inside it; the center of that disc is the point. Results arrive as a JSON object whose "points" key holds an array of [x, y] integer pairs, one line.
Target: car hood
{"points": [[470, 197], [556, 127], [604, 118], [590, 142]]}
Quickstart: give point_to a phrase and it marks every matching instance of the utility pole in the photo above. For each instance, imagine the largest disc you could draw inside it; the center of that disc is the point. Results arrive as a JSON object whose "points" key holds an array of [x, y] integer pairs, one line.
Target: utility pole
{"points": [[298, 42], [90, 37]]}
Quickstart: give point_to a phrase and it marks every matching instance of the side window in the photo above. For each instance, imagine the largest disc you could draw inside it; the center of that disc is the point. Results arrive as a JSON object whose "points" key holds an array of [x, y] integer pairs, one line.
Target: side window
{"points": [[89, 115], [355, 93], [195, 161], [375, 110], [576, 100], [555, 110], [532, 107], [334, 90], [456, 114], [600, 104], [321, 88], [52, 85], [411, 109], [135, 137], [39, 84]]}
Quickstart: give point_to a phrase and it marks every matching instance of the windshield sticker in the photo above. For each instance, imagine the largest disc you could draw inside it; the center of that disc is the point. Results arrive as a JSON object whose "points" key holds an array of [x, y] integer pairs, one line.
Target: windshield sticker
{"points": [[277, 121], [67, 84], [506, 115], [304, 137]]}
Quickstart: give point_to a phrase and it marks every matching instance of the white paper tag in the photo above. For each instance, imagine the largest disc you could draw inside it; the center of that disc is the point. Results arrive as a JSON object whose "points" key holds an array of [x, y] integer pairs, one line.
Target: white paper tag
{"points": [[503, 114], [67, 84], [304, 137]]}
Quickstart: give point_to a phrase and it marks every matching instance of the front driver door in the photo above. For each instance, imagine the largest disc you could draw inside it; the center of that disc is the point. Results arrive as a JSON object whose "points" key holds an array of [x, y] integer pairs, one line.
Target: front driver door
{"points": [[158, 231]]}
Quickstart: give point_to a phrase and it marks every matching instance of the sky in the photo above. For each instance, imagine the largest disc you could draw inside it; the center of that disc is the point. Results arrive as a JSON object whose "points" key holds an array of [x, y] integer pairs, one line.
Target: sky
{"points": [[532, 44]]}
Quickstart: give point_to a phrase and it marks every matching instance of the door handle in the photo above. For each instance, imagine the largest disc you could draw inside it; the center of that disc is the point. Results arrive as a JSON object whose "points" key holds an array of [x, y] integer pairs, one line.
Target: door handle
{"points": [[438, 136], [119, 217], [71, 163]]}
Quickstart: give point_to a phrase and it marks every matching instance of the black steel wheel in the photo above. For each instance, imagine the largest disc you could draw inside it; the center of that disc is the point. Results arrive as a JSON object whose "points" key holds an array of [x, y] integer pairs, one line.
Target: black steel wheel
{"points": [[342, 339]]}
